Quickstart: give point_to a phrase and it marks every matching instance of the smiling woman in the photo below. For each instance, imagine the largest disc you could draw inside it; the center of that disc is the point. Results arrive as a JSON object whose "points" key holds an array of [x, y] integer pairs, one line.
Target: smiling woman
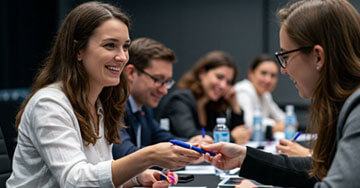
{"points": [[69, 122], [255, 92], [205, 93]]}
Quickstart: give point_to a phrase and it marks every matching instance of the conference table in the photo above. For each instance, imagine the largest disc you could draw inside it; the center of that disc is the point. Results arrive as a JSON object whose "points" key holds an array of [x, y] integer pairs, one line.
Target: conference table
{"points": [[204, 174]]}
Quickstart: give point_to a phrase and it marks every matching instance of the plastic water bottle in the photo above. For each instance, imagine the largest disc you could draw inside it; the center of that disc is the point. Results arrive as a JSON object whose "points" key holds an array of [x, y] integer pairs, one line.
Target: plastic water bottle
{"points": [[258, 132], [290, 122], [221, 134]]}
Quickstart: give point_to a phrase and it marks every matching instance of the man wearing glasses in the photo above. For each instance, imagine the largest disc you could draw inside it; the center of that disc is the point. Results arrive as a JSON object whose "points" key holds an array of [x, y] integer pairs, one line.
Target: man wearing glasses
{"points": [[149, 72]]}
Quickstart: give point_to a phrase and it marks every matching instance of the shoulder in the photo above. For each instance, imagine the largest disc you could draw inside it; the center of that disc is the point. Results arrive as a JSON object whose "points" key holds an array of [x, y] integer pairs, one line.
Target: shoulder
{"points": [[244, 86], [50, 94], [351, 108], [181, 94]]}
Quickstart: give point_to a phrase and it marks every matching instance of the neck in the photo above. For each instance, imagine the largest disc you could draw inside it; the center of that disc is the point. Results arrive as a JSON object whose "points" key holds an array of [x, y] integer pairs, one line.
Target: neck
{"points": [[94, 93]]}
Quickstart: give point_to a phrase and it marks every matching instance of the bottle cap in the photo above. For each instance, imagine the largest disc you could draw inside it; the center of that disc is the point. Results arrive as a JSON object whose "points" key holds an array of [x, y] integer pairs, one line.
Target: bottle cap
{"points": [[289, 108], [220, 120]]}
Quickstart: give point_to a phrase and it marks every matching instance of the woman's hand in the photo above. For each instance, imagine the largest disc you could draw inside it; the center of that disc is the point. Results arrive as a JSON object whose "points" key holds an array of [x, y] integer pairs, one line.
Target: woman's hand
{"points": [[230, 97], [200, 140], [292, 149], [170, 156], [151, 178], [246, 184], [228, 155], [241, 134]]}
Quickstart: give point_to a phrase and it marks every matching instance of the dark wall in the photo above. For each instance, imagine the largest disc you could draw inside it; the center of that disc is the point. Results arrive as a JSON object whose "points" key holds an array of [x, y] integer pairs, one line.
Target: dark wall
{"points": [[242, 28]]}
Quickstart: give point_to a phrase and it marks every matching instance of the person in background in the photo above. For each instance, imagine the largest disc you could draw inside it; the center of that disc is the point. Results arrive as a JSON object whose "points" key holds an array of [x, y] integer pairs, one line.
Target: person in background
{"points": [[320, 42], [255, 92], [68, 123], [149, 72], [204, 93]]}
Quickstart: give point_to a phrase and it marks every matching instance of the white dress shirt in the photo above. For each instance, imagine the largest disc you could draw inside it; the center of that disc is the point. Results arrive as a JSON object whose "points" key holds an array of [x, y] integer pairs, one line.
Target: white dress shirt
{"points": [[50, 150], [248, 100]]}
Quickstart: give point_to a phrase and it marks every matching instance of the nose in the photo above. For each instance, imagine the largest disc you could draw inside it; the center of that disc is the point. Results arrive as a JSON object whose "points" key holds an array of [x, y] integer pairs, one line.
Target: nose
{"points": [[121, 57], [163, 89], [283, 71], [223, 84], [268, 78]]}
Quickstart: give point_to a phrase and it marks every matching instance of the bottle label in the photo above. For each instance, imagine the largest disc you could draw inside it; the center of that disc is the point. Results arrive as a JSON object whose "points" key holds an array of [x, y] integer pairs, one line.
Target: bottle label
{"points": [[221, 136]]}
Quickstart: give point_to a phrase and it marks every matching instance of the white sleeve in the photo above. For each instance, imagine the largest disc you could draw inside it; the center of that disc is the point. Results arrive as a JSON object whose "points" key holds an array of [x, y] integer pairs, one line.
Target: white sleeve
{"points": [[56, 136], [275, 112], [246, 103]]}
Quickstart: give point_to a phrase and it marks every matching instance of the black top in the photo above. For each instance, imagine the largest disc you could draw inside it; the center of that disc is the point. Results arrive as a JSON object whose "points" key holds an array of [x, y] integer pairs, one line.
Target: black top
{"points": [[181, 110]]}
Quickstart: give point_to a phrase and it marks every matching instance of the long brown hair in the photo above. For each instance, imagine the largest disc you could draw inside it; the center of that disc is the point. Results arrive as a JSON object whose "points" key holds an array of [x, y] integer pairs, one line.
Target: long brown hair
{"points": [[211, 60], [334, 25], [62, 66]]}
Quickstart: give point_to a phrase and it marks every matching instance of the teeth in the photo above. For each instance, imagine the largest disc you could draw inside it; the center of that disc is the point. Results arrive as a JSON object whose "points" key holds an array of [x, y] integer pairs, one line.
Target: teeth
{"points": [[114, 68]]}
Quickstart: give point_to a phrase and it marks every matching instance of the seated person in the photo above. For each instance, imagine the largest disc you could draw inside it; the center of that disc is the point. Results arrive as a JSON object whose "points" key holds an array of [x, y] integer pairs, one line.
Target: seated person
{"points": [[205, 93], [255, 92], [149, 72], [68, 123], [323, 60]]}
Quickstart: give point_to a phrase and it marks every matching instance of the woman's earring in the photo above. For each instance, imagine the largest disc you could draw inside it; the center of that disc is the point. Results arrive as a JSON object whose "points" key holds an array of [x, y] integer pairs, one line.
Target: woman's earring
{"points": [[317, 67]]}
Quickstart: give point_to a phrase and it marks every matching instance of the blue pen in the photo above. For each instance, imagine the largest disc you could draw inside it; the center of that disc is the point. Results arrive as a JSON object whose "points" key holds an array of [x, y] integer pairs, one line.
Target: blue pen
{"points": [[296, 136], [186, 145], [203, 132]]}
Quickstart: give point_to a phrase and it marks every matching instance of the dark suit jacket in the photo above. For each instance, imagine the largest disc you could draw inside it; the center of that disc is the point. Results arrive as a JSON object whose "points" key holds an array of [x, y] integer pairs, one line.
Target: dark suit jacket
{"points": [[151, 133]]}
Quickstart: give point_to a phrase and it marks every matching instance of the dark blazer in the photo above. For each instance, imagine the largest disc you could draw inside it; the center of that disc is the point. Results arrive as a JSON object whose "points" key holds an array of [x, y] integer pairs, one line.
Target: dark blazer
{"points": [[181, 109], [151, 133], [292, 171]]}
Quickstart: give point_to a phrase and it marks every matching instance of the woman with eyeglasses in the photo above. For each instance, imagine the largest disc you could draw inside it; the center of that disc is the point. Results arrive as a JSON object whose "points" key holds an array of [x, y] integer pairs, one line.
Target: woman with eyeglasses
{"points": [[204, 93], [320, 42], [255, 92]]}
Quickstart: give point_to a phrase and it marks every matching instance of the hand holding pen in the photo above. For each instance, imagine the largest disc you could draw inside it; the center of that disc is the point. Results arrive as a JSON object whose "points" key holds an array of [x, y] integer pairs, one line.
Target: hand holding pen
{"points": [[291, 148]]}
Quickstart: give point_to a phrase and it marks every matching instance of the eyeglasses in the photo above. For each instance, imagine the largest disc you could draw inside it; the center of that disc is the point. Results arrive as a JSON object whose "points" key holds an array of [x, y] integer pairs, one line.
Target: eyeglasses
{"points": [[283, 61], [158, 82]]}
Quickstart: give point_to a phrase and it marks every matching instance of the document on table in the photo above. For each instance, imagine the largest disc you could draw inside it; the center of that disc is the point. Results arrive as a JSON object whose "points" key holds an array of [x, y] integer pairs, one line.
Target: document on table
{"points": [[198, 169]]}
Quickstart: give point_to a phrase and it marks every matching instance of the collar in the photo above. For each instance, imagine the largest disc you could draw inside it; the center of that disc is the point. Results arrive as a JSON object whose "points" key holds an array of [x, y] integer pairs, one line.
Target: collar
{"points": [[134, 107]]}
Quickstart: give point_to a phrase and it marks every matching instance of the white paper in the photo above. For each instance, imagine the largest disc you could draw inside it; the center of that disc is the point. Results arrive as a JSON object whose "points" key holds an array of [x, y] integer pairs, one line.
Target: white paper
{"points": [[197, 169]]}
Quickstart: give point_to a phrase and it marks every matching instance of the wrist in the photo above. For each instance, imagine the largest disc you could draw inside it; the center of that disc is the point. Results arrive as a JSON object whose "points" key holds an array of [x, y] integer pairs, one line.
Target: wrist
{"points": [[242, 155], [134, 181]]}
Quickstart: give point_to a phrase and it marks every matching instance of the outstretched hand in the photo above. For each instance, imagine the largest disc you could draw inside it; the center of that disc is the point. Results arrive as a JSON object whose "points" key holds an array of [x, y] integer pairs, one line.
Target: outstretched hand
{"points": [[228, 155]]}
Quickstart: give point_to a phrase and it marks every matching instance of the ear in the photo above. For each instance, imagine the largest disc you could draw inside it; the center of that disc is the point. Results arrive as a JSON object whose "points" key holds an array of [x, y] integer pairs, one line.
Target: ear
{"points": [[320, 56], [130, 72], [79, 54], [202, 74], [250, 74]]}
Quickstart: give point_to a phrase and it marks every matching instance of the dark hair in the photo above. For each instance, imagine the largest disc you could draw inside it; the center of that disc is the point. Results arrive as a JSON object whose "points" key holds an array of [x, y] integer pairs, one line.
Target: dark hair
{"points": [[260, 59], [335, 26], [143, 50], [62, 65], [211, 60]]}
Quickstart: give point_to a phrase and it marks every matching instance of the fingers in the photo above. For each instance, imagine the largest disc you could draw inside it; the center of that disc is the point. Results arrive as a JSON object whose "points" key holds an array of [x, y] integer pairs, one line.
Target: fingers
{"points": [[212, 147], [161, 184], [285, 142]]}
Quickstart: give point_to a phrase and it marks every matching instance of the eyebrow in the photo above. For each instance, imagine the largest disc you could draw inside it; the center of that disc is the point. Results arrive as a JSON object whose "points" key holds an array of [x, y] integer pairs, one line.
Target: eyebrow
{"points": [[114, 40]]}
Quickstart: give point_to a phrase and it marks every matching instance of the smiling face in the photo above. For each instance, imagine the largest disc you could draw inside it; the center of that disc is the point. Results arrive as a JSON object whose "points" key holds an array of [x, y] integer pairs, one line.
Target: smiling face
{"points": [[143, 88], [301, 67], [216, 82], [106, 54], [264, 77]]}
